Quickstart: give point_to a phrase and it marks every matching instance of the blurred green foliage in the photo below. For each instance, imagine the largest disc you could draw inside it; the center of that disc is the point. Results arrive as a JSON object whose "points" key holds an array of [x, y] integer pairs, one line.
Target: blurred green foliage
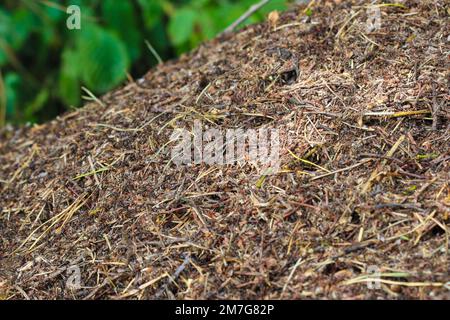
{"points": [[43, 64]]}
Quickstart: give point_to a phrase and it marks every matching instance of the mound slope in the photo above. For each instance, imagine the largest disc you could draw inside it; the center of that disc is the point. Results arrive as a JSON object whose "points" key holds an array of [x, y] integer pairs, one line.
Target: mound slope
{"points": [[363, 185]]}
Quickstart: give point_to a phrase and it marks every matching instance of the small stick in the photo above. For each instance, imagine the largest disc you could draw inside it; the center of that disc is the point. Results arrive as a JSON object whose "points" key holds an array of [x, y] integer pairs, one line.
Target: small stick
{"points": [[436, 108], [393, 114], [341, 170], [186, 260], [91, 163], [247, 14], [92, 97], [388, 155], [154, 52], [291, 274]]}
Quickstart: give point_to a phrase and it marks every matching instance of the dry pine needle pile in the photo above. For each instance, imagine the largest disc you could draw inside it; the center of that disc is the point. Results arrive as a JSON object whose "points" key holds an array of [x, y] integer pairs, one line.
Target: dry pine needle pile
{"points": [[91, 205]]}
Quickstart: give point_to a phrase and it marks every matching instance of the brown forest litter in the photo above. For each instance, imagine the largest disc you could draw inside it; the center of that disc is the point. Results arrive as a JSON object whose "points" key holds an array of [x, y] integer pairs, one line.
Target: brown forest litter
{"points": [[95, 189]]}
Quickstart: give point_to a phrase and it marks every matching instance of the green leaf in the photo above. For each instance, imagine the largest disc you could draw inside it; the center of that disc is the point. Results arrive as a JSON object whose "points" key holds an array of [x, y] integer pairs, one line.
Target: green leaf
{"points": [[102, 58], [234, 11], [12, 83], [23, 22], [181, 25], [159, 39], [3, 57], [209, 29], [152, 12], [54, 13], [120, 17], [308, 12], [5, 27], [36, 105], [5, 23], [69, 84], [199, 4]]}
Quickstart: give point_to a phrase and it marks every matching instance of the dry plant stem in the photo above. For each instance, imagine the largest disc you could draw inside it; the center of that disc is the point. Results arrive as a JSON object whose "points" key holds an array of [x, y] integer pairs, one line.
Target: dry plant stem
{"points": [[363, 179], [246, 15]]}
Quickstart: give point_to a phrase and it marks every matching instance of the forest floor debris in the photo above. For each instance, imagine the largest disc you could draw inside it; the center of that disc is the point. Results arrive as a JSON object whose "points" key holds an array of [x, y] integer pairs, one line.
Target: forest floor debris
{"points": [[359, 208]]}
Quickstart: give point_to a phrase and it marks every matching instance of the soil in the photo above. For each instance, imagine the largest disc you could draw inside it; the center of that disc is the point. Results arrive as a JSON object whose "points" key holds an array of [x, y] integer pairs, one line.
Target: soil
{"points": [[92, 205]]}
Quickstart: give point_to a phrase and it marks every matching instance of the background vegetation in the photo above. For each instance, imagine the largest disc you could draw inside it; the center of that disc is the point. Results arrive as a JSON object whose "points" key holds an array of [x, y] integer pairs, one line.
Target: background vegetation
{"points": [[43, 65]]}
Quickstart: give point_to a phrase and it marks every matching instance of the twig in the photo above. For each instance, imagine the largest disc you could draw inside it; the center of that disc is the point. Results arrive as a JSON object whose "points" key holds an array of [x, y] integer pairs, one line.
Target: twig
{"points": [[247, 14], [92, 97], [291, 274], [154, 52], [341, 170], [91, 163], [396, 114], [308, 162], [177, 272], [375, 172], [436, 108]]}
